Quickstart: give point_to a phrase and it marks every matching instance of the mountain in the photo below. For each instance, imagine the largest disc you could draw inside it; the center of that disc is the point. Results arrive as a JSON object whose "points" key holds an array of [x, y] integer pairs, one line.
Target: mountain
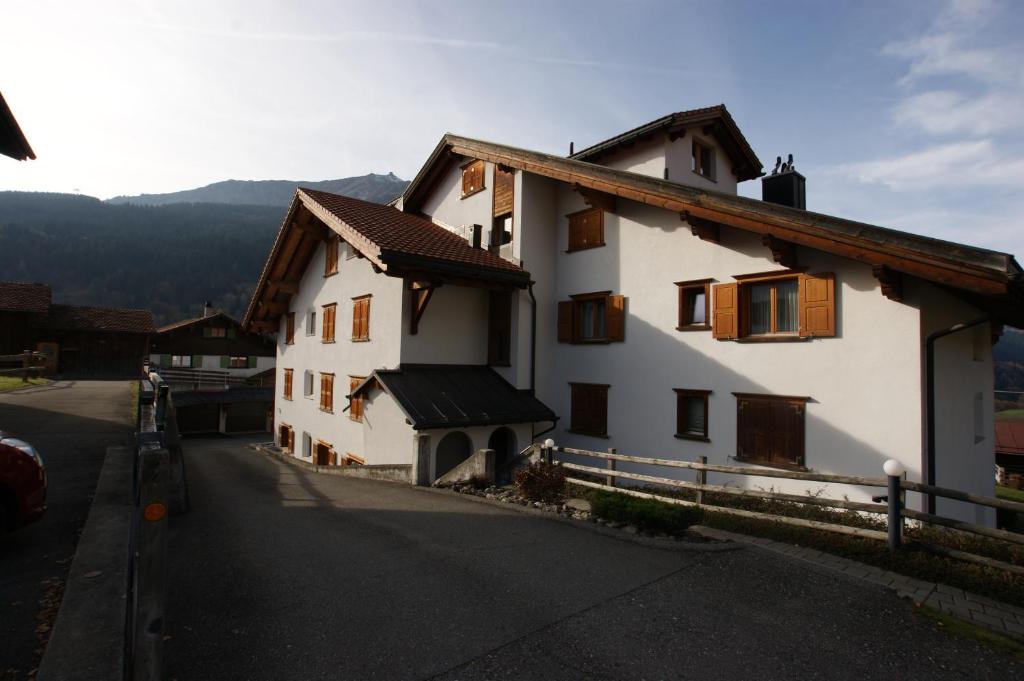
{"points": [[372, 187], [1008, 356]]}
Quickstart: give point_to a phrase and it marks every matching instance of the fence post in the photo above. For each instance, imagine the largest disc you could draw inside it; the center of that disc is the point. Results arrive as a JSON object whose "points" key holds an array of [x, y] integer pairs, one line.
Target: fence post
{"points": [[25, 364], [702, 479], [150, 561], [610, 465], [894, 472]]}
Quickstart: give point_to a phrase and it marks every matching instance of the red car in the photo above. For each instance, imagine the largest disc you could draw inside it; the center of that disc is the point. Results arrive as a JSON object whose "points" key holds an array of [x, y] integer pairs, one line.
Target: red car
{"points": [[22, 483]]}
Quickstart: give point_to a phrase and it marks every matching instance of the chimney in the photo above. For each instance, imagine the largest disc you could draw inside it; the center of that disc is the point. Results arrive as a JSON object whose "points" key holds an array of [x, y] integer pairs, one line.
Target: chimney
{"points": [[207, 309], [785, 186], [478, 235]]}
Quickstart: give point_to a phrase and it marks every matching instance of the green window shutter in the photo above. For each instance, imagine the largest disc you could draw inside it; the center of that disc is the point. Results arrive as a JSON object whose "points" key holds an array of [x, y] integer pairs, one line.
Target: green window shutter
{"points": [[225, 361], [231, 333], [207, 332], [197, 361], [165, 360], [252, 361]]}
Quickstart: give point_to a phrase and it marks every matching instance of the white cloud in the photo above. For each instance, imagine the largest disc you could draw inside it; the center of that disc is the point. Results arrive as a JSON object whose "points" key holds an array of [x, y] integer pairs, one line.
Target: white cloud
{"points": [[955, 165], [941, 112]]}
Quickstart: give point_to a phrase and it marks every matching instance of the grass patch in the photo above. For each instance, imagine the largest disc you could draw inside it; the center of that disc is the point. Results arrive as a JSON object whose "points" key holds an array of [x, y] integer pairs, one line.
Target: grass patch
{"points": [[135, 403], [1010, 415], [1009, 493], [15, 382], [959, 627]]}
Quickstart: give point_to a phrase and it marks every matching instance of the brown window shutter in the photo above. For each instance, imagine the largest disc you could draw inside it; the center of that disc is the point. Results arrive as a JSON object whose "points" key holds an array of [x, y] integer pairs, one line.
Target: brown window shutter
{"points": [[817, 305], [357, 311], [615, 319], [725, 317], [565, 309]]}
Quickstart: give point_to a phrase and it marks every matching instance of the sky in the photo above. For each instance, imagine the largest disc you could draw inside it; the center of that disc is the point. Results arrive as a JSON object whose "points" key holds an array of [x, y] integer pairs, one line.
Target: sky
{"points": [[903, 114]]}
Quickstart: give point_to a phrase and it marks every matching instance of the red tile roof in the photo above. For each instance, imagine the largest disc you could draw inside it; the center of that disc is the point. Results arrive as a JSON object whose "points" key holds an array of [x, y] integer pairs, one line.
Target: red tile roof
{"points": [[195, 320], [83, 318], [1010, 437], [398, 233], [21, 297]]}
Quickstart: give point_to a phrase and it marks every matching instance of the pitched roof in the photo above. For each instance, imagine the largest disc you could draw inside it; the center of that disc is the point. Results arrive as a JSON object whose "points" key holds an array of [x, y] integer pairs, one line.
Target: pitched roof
{"points": [[16, 296], [190, 398], [195, 320], [396, 243], [456, 396], [85, 318], [1010, 437], [991, 280], [12, 139], [713, 120]]}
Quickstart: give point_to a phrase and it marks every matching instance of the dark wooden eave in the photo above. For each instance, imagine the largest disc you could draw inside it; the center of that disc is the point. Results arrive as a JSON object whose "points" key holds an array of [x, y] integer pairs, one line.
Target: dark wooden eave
{"points": [[12, 139]]}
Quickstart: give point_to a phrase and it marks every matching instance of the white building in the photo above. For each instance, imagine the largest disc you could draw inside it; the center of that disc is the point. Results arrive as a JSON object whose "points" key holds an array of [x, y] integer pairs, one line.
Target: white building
{"points": [[631, 292]]}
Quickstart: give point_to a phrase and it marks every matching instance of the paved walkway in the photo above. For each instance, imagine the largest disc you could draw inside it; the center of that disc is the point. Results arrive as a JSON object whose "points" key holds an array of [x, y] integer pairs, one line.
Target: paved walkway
{"points": [[281, 573], [71, 423]]}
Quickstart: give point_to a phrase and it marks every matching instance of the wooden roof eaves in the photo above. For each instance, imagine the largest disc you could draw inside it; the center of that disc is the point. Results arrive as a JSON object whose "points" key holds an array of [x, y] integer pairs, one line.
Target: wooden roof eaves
{"points": [[900, 259], [354, 238], [261, 283]]}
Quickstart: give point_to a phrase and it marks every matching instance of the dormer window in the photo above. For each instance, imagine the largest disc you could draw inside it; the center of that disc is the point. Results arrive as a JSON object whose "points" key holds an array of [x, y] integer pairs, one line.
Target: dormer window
{"points": [[703, 160]]}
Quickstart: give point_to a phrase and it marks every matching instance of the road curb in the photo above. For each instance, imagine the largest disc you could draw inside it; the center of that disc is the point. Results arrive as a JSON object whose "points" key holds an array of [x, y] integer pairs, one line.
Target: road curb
{"points": [[1002, 618], [88, 636], [649, 542]]}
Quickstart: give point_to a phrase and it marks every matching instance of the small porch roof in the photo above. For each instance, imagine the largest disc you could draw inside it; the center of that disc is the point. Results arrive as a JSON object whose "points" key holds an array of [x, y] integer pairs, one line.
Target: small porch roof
{"points": [[455, 396]]}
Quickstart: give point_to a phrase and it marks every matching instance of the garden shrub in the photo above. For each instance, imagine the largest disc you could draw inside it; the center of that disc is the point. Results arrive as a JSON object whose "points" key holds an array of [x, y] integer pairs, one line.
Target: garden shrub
{"points": [[646, 514], [541, 481]]}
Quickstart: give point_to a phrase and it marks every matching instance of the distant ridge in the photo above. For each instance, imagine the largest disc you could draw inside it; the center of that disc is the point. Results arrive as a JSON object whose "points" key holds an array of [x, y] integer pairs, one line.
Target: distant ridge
{"points": [[372, 187]]}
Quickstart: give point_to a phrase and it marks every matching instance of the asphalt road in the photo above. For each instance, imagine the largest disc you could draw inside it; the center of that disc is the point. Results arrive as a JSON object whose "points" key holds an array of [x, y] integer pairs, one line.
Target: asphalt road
{"points": [[277, 573], [71, 423]]}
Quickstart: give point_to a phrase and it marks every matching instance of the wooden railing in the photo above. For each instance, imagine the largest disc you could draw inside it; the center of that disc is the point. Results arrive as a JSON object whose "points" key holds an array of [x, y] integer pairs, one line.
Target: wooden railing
{"points": [[199, 379], [26, 364], [894, 506]]}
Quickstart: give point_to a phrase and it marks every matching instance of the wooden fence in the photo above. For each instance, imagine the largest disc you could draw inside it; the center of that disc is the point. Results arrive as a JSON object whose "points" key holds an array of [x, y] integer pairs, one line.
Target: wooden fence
{"points": [[894, 506], [25, 364]]}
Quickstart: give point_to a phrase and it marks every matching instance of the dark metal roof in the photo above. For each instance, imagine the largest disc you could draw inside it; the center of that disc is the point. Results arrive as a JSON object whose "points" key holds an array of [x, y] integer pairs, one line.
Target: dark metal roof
{"points": [[191, 398], [12, 139], [456, 396]]}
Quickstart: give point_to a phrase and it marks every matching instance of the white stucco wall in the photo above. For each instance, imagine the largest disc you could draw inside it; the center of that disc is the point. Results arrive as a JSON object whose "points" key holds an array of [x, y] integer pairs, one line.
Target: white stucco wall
{"points": [[212, 362], [452, 330], [387, 437], [344, 357], [478, 436], [654, 156]]}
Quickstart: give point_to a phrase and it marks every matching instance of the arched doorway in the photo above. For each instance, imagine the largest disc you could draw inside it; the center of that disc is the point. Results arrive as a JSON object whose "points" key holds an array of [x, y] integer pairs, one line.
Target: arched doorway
{"points": [[503, 442], [453, 449]]}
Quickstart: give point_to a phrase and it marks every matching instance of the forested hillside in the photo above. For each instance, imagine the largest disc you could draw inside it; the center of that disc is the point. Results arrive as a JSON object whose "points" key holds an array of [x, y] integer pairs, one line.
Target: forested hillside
{"points": [[168, 259], [372, 187], [1008, 354]]}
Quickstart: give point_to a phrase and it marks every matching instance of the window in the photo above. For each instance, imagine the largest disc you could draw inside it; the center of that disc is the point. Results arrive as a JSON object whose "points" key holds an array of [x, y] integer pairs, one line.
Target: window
{"points": [[355, 404], [218, 332], [287, 384], [499, 329], [586, 229], [361, 318], [287, 438], [324, 454], [589, 409], [775, 306], [694, 305], [692, 414], [329, 314], [472, 178], [307, 383], [327, 392], [770, 429], [307, 444], [703, 160], [311, 323], [289, 328], [352, 460], [236, 362], [331, 256], [592, 318], [183, 361]]}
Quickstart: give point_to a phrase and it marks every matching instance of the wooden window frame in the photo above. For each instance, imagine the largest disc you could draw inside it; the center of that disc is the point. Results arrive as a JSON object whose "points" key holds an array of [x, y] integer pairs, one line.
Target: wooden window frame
{"points": [[330, 322], [290, 445], [355, 404], [807, 286], [181, 364], [233, 365], [288, 384], [289, 328], [311, 322], [578, 301], [682, 394], [308, 374], [686, 288], [331, 454], [582, 429], [327, 396], [362, 333], [578, 244], [466, 167], [707, 152], [331, 257], [800, 403], [570, 318], [353, 460]]}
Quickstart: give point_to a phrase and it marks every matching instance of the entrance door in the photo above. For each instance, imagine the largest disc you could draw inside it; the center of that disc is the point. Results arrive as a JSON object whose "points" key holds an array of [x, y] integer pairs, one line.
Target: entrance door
{"points": [[503, 442]]}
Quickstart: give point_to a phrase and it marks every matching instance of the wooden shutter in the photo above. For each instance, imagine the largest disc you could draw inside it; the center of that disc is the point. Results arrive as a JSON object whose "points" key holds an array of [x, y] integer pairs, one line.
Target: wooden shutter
{"points": [[615, 319], [565, 310], [504, 183], [355, 408], [290, 328], [817, 305], [331, 257], [472, 177], [225, 361], [252, 361], [770, 429], [726, 307], [291, 440], [328, 322], [288, 384], [366, 318]]}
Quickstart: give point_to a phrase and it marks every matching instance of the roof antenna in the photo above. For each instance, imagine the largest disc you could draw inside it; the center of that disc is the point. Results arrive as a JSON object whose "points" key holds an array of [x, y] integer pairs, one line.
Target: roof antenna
{"points": [[778, 162], [571, 144]]}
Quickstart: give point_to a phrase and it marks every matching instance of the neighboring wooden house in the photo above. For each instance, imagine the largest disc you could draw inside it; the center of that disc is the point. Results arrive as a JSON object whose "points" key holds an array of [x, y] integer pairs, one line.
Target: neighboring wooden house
{"points": [[80, 340], [1010, 447], [213, 342], [628, 288]]}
